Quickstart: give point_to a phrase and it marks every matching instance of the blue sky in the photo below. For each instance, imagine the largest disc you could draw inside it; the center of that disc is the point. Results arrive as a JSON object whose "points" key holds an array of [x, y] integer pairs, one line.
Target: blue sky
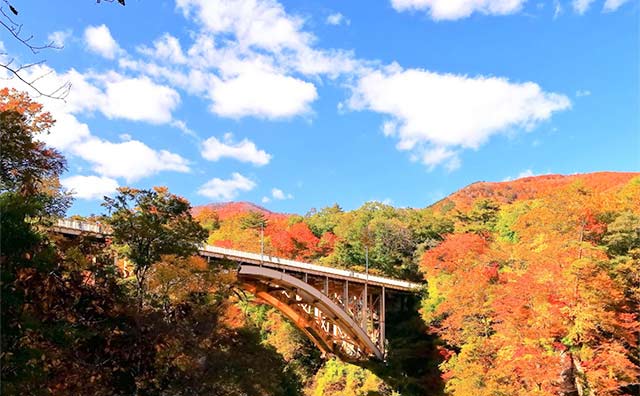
{"points": [[300, 104]]}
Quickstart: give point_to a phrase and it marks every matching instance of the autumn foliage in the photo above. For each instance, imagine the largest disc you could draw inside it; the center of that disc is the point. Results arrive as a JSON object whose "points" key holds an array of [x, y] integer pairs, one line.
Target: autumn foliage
{"points": [[543, 303]]}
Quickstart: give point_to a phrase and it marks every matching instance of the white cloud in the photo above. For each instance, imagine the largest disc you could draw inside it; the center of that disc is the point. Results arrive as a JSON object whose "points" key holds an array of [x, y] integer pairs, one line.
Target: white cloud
{"points": [[89, 187], [581, 6], [182, 126], [113, 94], [221, 189], [524, 173], [266, 199], [262, 94], [130, 160], [66, 132], [261, 24], [99, 40], [139, 99], [250, 58], [435, 156], [436, 114], [337, 19], [457, 9], [278, 194], [612, 5], [166, 48], [58, 38], [245, 150]]}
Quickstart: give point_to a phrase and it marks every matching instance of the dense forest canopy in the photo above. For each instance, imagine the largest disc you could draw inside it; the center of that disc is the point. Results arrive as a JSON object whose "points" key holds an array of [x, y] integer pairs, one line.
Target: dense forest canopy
{"points": [[532, 287]]}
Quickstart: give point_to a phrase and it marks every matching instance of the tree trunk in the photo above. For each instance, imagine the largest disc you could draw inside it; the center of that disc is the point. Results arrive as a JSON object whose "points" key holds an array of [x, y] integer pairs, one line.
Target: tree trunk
{"points": [[570, 383]]}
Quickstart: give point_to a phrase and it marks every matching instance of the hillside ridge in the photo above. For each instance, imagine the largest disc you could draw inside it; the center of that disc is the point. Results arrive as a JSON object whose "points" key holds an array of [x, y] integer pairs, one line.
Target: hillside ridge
{"points": [[507, 191], [534, 187]]}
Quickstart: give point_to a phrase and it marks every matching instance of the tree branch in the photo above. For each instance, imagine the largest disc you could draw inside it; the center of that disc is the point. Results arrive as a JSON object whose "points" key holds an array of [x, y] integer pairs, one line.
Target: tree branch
{"points": [[15, 29]]}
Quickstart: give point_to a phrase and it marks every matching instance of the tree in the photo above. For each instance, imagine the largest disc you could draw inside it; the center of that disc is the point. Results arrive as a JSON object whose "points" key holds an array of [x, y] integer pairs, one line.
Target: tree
{"points": [[28, 167], [29, 173], [208, 218], [481, 219], [255, 221], [53, 312], [150, 223], [325, 220]]}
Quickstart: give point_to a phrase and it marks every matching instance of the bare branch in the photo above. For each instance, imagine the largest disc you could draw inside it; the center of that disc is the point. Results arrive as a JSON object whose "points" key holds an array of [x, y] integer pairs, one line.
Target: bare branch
{"points": [[15, 29], [59, 93], [111, 1]]}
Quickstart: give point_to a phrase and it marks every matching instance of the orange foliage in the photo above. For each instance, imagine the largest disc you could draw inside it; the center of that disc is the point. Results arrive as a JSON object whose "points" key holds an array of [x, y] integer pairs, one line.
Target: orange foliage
{"points": [[543, 315], [20, 102], [536, 187], [228, 210], [453, 251]]}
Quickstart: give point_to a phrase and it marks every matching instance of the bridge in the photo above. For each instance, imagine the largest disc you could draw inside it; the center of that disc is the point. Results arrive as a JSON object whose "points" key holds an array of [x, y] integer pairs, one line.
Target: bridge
{"points": [[342, 312]]}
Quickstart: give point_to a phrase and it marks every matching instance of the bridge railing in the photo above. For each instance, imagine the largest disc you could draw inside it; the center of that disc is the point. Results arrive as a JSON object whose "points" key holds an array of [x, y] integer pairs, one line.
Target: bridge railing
{"points": [[282, 263], [83, 226]]}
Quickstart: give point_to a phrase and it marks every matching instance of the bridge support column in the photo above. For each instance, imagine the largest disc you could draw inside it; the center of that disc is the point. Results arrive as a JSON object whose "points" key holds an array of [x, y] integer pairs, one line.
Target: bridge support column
{"points": [[345, 295], [383, 309], [365, 307]]}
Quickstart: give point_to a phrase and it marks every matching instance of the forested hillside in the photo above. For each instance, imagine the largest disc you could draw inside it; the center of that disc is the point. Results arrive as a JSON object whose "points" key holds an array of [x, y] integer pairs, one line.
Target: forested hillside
{"points": [[532, 283]]}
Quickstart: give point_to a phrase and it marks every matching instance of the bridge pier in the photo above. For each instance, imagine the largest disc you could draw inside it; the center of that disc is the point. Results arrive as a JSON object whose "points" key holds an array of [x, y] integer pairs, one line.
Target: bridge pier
{"points": [[383, 312]]}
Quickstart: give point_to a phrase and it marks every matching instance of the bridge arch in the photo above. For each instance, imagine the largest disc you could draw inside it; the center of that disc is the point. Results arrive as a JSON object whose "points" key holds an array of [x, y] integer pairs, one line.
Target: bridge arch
{"points": [[322, 320]]}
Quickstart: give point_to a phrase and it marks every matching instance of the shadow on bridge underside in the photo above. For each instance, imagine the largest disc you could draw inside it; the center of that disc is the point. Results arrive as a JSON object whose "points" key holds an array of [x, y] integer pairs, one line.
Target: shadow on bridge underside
{"points": [[325, 322]]}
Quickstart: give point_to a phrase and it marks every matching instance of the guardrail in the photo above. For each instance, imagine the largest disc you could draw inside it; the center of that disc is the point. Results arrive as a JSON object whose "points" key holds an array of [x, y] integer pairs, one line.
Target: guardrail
{"points": [[83, 226], [286, 264]]}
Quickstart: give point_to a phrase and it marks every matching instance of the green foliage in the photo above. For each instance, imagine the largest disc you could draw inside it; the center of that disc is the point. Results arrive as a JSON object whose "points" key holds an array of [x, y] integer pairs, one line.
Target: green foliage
{"points": [[623, 235], [336, 378], [392, 236], [147, 224], [507, 217], [301, 356], [481, 218], [254, 220], [325, 220], [428, 226]]}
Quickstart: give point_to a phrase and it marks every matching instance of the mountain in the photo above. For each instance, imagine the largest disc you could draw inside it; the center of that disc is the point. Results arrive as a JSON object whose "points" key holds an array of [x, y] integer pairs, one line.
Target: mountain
{"points": [[502, 192], [229, 209], [534, 187]]}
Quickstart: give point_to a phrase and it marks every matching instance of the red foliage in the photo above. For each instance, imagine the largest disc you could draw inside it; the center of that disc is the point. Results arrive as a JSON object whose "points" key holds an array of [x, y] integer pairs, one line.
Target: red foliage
{"points": [[327, 243], [227, 244], [453, 251]]}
